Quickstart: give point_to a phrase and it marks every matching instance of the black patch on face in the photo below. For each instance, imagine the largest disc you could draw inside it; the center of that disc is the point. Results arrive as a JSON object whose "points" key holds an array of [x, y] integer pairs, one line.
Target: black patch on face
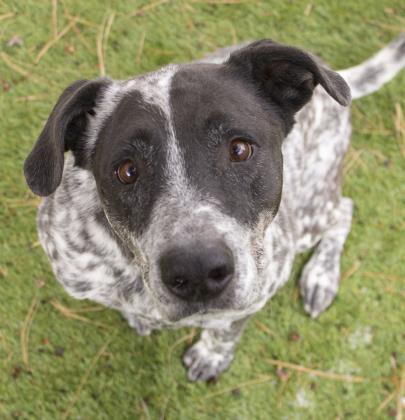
{"points": [[137, 131], [211, 107]]}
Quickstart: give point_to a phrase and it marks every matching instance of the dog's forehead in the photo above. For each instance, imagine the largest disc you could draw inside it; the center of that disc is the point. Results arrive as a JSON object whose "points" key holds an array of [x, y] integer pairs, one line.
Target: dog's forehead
{"points": [[197, 90], [180, 97]]}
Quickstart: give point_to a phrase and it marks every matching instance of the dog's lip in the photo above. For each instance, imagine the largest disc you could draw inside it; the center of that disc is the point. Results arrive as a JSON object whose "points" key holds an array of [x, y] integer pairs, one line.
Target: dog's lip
{"points": [[204, 315], [185, 315], [205, 309], [190, 313]]}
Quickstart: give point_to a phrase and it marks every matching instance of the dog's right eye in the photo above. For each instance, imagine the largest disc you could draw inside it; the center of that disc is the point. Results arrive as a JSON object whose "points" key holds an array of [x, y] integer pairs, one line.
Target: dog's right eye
{"points": [[127, 172], [240, 150]]}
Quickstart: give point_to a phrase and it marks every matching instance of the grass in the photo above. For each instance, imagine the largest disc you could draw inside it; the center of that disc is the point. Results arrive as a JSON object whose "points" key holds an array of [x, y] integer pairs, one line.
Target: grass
{"points": [[63, 358]]}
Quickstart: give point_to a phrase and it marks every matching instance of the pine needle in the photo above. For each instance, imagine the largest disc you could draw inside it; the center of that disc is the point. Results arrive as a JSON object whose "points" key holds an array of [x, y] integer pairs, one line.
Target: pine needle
{"points": [[223, 1], [352, 161], [6, 16], [393, 28], [349, 272], [386, 402], [30, 202], [25, 331], [265, 328], [55, 18], [55, 40], [261, 380], [85, 377], [102, 38], [394, 291], [399, 122], [71, 314], [321, 374], [387, 276], [400, 393], [18, 69], [81, 38], [308, 9], [147, 8], [6, 348], [140, 48]]}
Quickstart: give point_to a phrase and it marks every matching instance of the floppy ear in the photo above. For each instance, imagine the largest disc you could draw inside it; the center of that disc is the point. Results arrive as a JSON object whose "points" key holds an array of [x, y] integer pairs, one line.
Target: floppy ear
{"points": [[63, 131], [286, 75]]}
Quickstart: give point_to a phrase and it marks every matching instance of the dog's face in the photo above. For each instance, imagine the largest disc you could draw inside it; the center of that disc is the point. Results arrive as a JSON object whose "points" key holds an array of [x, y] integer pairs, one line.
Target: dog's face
{"points": [[188, 166], [189, 170]]}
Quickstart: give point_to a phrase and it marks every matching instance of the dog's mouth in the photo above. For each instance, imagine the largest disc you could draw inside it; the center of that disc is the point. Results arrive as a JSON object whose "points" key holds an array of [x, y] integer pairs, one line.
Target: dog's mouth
{"points": [[177, 312], [200, 318], [182, 311]]}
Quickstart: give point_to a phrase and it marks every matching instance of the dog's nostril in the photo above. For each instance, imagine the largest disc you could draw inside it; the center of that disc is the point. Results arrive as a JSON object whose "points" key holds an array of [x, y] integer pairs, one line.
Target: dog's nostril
{"points": [[219, 273], [179, 282]]}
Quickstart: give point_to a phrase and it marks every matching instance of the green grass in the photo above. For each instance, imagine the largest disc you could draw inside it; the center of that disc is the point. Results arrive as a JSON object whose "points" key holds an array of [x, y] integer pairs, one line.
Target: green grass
{"points": [[133, 377]]}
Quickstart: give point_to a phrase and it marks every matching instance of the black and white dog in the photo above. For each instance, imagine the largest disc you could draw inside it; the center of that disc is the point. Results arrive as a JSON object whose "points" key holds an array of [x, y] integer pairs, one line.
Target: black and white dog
{"points": [[189, 190]]}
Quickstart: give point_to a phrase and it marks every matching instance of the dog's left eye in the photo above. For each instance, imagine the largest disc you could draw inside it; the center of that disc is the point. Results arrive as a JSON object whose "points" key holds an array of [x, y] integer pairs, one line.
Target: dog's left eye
{"points": [[240, 150], [127, 172]]}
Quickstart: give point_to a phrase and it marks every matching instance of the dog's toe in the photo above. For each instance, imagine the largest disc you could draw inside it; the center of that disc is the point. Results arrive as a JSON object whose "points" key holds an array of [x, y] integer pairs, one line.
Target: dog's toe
{"points": [[319, 286], [204, 364], [317, 299]]}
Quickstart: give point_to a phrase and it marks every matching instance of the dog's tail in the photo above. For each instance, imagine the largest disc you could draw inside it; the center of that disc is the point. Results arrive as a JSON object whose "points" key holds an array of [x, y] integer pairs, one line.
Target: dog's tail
{"points": [[369, 76]]}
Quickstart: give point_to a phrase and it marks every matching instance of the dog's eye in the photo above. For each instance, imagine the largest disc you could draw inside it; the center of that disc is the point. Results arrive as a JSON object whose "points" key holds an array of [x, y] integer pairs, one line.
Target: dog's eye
{"points": [[240, 150], [126, 172]]}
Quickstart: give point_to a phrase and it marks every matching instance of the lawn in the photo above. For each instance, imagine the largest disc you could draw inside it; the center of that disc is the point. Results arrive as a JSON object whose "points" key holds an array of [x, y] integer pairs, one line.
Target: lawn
{"points": [[63, 358]]}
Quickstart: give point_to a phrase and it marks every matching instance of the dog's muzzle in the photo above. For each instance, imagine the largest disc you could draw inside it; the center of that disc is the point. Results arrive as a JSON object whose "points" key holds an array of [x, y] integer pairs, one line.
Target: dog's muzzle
{"points": [[197, 272]]}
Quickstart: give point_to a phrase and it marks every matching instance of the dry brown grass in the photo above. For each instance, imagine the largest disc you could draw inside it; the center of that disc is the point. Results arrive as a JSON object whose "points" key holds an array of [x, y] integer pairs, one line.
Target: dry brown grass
{"points": [[141, 11], [73, 314], [76, 395], [102, 39], [25, 331], [315, 372]]}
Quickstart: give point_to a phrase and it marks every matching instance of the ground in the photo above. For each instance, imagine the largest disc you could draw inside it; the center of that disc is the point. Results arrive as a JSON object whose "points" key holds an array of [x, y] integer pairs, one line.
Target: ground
{"points": [[63, 358]]}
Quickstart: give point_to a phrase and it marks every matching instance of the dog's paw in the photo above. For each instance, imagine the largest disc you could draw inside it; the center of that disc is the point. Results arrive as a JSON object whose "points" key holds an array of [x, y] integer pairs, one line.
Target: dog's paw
{"points": [[205, 363], [319, 286], [317, 299]]}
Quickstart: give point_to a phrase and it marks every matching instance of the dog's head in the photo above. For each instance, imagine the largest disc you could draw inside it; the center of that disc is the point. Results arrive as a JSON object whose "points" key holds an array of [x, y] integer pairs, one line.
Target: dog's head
{"points": [[188, 166]]}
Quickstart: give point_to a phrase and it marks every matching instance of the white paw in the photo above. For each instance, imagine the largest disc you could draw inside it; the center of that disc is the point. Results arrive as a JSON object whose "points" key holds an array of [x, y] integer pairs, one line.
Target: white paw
{"points": [[205, 363], [319, 286]]}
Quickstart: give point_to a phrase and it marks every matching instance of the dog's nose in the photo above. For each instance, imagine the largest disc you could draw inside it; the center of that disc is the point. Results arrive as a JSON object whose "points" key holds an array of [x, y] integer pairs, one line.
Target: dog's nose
{"points": [[198, 272]]}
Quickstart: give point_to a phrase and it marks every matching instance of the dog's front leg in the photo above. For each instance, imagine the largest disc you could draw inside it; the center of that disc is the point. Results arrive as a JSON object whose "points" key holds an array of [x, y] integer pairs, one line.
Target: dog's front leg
{"points": [[320, 277], [213, 352]]}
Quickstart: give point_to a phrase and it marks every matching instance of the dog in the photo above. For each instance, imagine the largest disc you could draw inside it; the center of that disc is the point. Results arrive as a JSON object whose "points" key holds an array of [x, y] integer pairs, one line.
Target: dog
{"points": [[188, 191]]}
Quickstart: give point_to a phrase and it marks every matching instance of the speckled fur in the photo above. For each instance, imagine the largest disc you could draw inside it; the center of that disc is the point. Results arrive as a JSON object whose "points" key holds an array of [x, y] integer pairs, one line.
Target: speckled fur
{"points": [[90, 260]]}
